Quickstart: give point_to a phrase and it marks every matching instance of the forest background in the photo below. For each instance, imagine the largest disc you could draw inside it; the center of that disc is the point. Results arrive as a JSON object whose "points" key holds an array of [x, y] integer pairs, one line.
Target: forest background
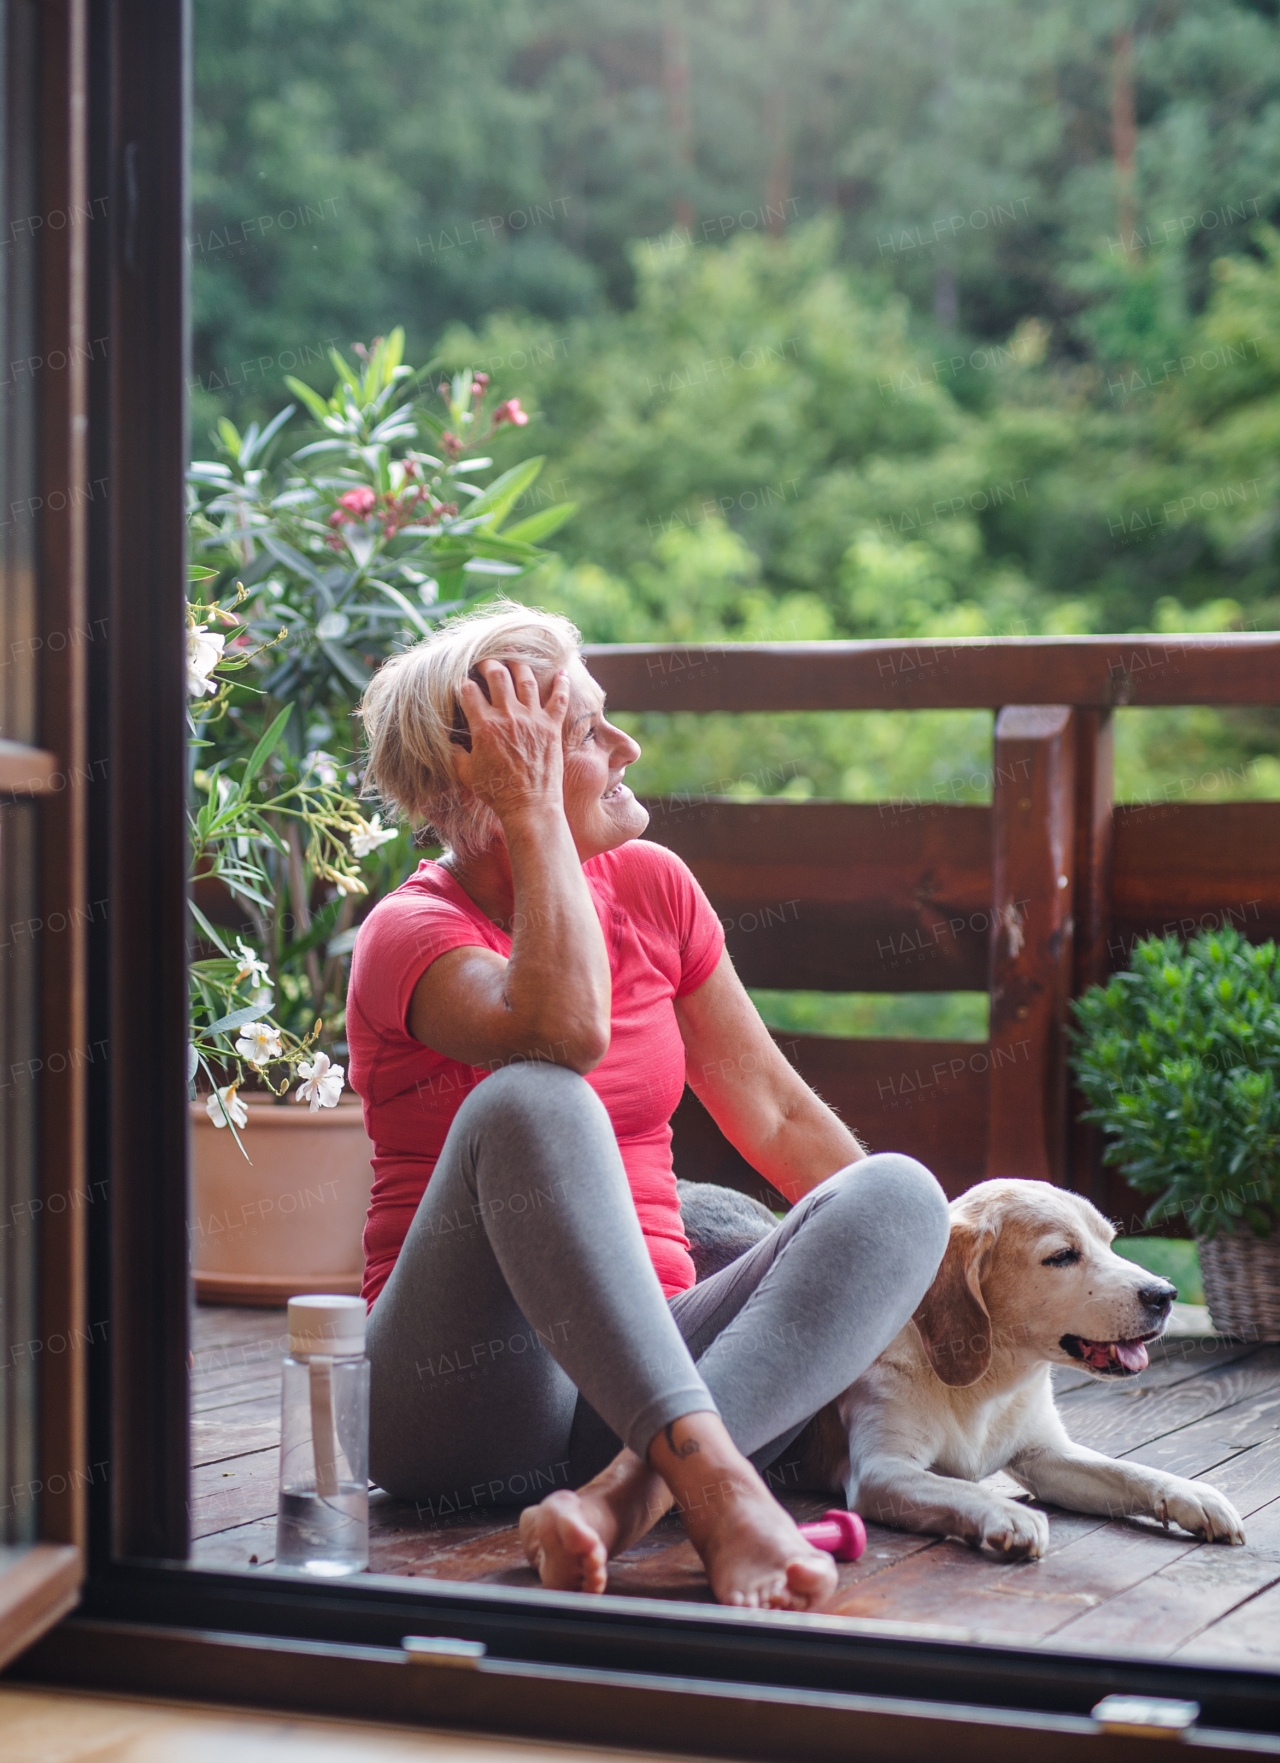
{"points": [[834, 319]]}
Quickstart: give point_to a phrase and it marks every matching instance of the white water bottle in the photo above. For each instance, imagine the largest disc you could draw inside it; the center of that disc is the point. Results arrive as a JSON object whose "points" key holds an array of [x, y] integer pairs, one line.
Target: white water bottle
{"points": [[322, 1521]]}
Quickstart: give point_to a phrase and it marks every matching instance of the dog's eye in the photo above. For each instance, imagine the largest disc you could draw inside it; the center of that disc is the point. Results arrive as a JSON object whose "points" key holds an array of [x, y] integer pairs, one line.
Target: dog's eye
{"points": [[1064, 1258]]}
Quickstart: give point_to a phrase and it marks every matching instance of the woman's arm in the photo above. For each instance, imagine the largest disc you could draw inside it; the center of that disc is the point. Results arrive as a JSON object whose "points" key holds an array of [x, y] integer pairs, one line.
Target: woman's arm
{"points": [[551, 998], [760, 1103]]}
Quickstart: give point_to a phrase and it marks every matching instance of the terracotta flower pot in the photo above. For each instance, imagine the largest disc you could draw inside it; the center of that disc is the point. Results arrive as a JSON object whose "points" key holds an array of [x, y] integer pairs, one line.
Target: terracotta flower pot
{"points": [[290, 1220]]}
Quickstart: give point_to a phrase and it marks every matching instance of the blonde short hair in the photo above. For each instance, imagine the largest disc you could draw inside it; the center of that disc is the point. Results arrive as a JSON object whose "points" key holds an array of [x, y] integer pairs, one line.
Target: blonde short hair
{"points": [[413, 718]]}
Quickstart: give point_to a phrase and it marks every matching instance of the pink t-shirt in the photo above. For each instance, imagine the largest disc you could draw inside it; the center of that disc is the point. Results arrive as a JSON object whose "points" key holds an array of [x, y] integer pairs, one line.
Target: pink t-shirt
{"points": [[664, 941]]}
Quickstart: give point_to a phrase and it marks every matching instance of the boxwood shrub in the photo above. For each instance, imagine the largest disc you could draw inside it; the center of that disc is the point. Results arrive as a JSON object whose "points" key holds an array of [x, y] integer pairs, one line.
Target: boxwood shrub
{"points": [[1179, 1059]]}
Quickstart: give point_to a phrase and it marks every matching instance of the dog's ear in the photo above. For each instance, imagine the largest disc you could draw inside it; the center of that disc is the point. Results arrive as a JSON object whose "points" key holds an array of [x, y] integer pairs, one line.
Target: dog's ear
{"points": [[953, 1320]]}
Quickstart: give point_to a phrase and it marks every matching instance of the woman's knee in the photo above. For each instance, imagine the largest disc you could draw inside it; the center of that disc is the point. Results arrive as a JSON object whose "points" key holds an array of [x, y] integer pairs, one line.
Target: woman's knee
{"points": [[533, 1090], [904, 1196], [535, 1121]]}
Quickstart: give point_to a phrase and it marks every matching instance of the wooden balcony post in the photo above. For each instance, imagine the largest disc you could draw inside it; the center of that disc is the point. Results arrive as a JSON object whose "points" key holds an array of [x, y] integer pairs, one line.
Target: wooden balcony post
{"points": [[1033, 858], [1092, 957]]}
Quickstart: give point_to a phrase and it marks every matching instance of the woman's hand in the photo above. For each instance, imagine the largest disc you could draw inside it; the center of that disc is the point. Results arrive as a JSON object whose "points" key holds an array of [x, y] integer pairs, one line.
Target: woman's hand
{"points": [[550, 998], [516, 761]]}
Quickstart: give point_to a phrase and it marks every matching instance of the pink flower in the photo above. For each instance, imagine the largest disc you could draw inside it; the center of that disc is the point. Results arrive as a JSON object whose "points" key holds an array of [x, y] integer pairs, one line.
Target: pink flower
{"points": [[511, 412], [451, 444], [360, 502], [481, 382]]}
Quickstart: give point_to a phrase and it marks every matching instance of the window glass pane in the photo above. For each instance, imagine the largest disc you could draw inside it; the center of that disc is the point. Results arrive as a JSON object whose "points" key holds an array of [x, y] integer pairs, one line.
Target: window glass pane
{"points": [[18, 1174], [19, 649], [20, 369], [750, 311]]}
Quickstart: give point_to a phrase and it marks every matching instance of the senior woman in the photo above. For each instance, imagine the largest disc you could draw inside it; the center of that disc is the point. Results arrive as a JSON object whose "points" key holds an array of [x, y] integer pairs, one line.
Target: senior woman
{"points": [[523, 1016]]}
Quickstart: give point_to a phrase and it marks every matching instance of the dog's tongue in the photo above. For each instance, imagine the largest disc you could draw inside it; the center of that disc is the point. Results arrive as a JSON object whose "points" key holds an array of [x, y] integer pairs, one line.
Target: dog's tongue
{"points": [[1132, 1355]]}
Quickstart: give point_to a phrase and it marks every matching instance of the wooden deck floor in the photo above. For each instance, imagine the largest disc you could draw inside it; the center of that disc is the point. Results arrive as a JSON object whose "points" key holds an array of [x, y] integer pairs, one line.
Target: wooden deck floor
{"points": [[1206, 1408]]}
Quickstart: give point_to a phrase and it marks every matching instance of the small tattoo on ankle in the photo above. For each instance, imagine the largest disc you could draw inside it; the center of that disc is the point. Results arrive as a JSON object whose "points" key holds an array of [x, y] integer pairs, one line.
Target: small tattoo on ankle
{"points": [[689, 1448]]}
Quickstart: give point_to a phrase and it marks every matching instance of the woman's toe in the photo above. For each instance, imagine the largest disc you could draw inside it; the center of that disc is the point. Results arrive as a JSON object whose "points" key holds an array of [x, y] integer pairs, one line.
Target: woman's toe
{"points": [[811, 1580]]}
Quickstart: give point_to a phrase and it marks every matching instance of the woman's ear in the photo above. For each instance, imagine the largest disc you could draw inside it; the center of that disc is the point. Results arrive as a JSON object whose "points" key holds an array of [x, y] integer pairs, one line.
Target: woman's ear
{"points": [[460, 728], [953, 1321]]}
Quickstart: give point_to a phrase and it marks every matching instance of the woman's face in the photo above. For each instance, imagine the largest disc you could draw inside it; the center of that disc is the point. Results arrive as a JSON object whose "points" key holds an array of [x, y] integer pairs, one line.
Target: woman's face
{"points": [[601, 810]]}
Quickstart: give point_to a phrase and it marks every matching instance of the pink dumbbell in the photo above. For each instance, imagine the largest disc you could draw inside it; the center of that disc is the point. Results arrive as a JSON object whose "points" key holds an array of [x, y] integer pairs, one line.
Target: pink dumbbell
{"points": [[841, 1534]]}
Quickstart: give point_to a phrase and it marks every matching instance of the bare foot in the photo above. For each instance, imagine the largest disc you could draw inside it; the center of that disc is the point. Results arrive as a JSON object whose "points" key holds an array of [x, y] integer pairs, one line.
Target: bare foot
{"points": [[563, 1543], [755, 1556], [569, 1537], [753, 1553], [750, 1547]]}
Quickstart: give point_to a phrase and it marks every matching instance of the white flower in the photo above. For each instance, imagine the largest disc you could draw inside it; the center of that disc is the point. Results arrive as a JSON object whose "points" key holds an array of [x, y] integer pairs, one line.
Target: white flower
{"points": [[259, 1043], [252, 967], [204, 652], [223, 1103], [372, 834], [323, 1085]]}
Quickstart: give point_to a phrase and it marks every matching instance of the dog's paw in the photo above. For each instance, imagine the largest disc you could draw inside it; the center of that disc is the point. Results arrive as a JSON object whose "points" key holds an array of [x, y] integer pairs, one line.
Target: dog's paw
{"points": [[1014, 1532], [1200, 1509]]}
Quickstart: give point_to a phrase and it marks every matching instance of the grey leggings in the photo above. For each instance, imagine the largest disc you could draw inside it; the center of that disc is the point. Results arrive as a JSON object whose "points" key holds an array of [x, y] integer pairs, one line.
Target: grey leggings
{"points": [[523, 1331]]}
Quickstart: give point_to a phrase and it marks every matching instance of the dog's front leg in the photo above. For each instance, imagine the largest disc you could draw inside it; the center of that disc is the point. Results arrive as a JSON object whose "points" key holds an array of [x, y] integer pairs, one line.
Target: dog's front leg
{"points": [[1085, 1481], [894, 1490]]}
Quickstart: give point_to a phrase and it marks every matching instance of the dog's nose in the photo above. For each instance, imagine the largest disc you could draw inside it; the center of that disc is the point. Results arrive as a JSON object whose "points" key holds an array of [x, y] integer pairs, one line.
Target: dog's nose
{"points": [[1158, 1295]]}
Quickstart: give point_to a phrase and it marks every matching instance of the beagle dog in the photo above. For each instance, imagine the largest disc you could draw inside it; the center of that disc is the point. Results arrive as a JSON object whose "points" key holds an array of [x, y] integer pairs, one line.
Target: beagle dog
{"points": [[1029, 1281]]}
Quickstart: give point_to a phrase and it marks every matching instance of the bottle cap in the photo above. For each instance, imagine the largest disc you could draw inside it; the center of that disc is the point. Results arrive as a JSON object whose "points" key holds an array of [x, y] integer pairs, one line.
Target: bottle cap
{"points": [[328, 1327]]}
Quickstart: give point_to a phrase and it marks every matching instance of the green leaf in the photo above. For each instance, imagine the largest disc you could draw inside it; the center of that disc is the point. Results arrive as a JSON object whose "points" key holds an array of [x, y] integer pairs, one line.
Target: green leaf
{"points": [[313, 401], [411, 612], [541, 526], [265, 747], [274, 426], [247, 888], [488, 566], [334, 446], [453, 589], [213, 1085], [344, 372], [207, 931], [505, 490], [236, 1019], [286, 554], [347, 666], [483, 544]]}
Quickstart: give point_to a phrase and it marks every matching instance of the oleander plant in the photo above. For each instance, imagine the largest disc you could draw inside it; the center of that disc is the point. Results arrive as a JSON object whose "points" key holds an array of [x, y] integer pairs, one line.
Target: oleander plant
{"points": [[311, 564], [363, 538], [1179, 1058], [245, 813]]}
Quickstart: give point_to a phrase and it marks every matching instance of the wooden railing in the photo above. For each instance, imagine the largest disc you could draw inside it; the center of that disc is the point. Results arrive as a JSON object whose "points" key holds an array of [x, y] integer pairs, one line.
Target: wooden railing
{"points": [[1033, 898]]}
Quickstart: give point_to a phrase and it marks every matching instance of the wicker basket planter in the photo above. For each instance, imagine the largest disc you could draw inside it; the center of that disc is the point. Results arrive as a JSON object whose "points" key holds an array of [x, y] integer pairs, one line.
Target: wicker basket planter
{"points": [[292, 1220], [1241, 1276]]}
